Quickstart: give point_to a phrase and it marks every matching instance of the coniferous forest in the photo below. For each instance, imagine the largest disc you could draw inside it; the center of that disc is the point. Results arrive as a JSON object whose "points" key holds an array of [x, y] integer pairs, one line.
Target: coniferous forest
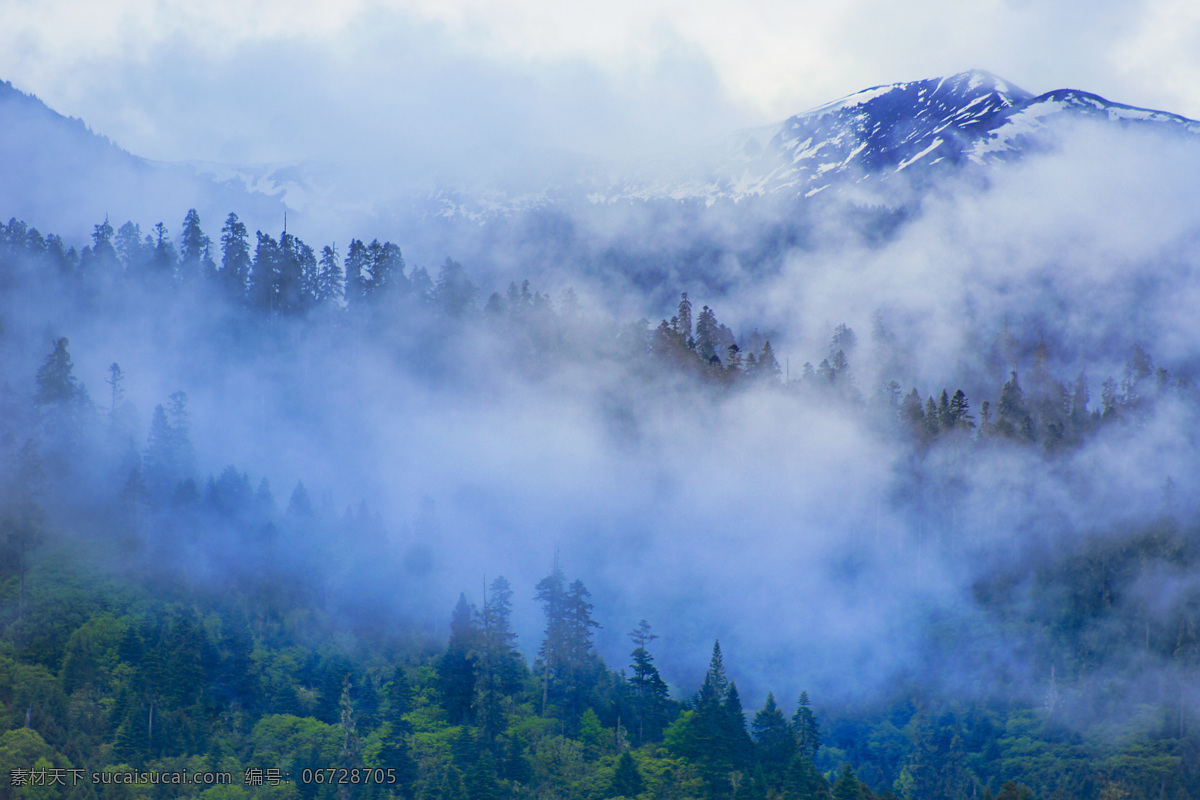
{"points": [[307, 523]]}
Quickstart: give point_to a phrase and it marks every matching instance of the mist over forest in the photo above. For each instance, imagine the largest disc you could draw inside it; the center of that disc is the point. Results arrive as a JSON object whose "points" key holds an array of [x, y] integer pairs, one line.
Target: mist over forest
{"points": [[925, 453]]}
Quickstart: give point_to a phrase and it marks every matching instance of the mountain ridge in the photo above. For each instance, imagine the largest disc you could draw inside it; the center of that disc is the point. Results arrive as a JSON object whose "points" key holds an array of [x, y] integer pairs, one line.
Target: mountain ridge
{"points": [[871, 147]]}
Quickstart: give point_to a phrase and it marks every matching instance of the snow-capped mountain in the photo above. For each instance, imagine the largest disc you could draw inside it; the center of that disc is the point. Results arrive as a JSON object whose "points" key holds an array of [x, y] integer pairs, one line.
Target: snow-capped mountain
{"points": [[875, 135]]}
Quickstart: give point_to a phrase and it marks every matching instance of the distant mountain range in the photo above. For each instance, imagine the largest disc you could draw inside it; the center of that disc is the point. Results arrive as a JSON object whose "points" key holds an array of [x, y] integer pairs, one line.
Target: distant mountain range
{"points": [[868, 147], [914, 131]]}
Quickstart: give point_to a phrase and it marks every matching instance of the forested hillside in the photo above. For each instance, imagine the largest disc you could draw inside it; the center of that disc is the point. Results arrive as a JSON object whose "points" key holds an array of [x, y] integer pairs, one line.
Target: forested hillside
{"points": [[973, 617]]}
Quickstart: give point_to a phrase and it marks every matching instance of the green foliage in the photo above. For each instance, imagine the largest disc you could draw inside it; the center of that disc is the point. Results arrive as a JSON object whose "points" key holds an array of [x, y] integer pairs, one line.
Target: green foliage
{"points": [[626, 780]]}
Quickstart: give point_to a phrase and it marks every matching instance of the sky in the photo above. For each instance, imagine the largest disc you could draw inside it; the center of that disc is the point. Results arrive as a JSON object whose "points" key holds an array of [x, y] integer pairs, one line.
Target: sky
{"points": [[267, 80]]}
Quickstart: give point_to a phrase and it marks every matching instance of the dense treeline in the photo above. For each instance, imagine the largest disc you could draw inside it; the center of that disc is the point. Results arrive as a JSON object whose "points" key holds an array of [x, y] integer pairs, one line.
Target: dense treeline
{"points": [[156, 619]]}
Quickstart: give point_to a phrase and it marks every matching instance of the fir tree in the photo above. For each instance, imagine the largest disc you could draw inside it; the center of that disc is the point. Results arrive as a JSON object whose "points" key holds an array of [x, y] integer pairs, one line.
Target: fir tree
{"points": [[804, 725], [552, 594], [235, 258], [457, 670], [264, 275], [768, 367], [330, 284], [848, 786], [499, 662], [626, 780], [649, 690], [683, 321], [775, 742], [163, 259], [455, 294], [194, 256], [129, 246]]}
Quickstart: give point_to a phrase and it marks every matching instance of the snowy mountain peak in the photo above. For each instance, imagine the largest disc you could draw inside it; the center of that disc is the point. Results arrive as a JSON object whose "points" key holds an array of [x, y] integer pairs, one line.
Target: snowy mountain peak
{"points": [[962, 90]]}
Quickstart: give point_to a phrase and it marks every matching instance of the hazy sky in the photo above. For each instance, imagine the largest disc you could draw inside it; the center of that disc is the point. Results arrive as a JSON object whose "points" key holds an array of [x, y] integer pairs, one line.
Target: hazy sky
{"points": [[274, 80]]}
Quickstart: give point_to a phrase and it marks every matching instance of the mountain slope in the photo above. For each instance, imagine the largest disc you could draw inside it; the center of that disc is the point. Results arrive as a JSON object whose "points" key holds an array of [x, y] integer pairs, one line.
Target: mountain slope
{"points": [[916, 129], [61, 176]]}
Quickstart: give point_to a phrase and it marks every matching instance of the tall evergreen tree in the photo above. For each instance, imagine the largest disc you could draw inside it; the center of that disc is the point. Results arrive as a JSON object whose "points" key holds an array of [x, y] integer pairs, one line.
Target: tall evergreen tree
{"points": [[650, 692], [130, 249], [1013, 420], [235, 258], [775, 742], [707, 334], [552, 594], [290, 275], [101, 257], [62, 402], [264, 274], [195, 259], [848, 786], [455, 294], [457, 670], [626, 780], [163, 259], [804, 725], [711, 741], [330, 284], [357, 272], [387, 268], [499, 662], [741, 747], [768, 367]]}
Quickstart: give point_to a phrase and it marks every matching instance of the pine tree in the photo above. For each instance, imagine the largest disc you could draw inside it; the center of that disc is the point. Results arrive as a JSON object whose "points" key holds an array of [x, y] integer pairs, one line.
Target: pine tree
{"points": [[299, 504], [264, 274], [163, 259], [194, 245], [945, 417], [960, 411], [552, 594], [235, 258], [913, 414], [182, 455], [649, 690], [709, 740], [61, 400], [499, 662], [683, 321], [290, 275], [932, 423], [737, 740], [455, 293], [159, 459], [1014, 420], [802, 781], [804, 725], [626, 780], [56, 384], [707, 334], [775, 742], [844, 339], [101, 258], [583, 667], [768, 367], [387, 268], [848, 786], [358, 265], [330, 284], [128, 244], [457, 669]]}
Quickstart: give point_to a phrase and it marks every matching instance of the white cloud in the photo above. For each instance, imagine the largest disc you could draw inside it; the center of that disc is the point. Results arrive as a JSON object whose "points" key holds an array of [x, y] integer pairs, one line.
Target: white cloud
{"points": [[271, 79]]}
